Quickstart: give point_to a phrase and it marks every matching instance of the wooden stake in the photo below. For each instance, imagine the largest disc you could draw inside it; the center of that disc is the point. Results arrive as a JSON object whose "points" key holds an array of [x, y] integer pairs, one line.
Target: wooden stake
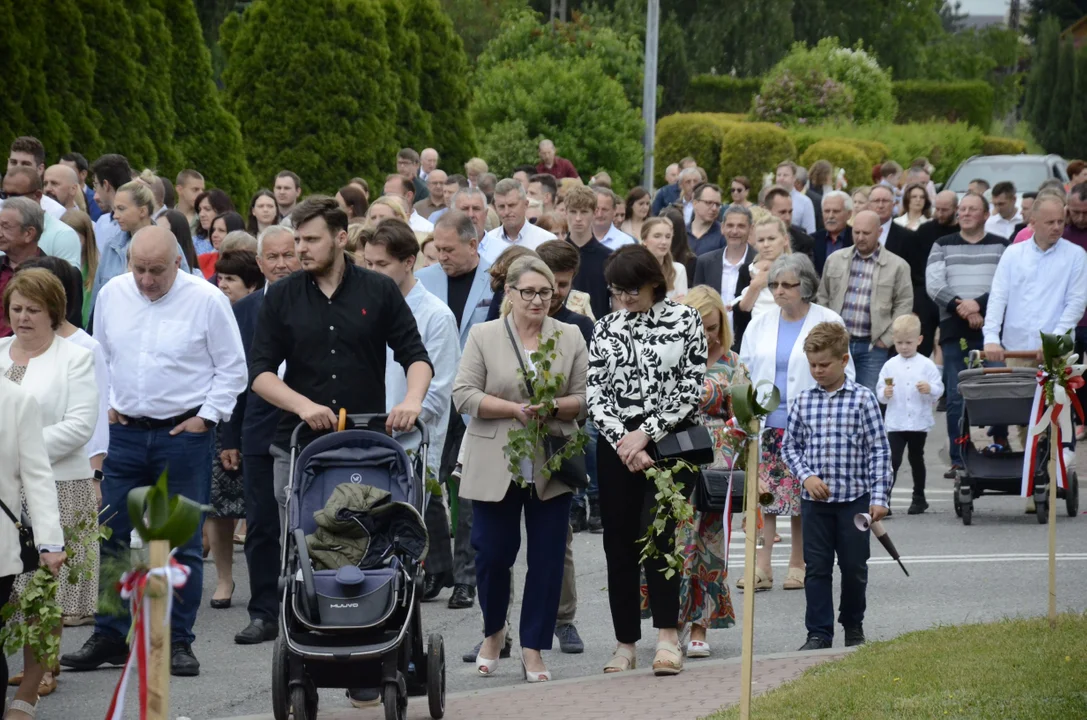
{"points": [[158, 662], [751, 496], [1054, 448]]}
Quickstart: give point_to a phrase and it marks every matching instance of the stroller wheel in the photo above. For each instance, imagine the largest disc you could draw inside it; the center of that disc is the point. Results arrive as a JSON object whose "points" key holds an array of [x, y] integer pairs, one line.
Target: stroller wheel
{"points": [[436, 676], [1071, 495], [1042, 509], [281, 699], [967, 513], [396, 707], [304, 702]]}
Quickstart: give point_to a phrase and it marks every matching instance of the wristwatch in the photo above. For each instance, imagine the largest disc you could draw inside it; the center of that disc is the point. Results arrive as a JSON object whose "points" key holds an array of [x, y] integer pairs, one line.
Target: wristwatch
{"points": [[208, 424], [99, 476]]}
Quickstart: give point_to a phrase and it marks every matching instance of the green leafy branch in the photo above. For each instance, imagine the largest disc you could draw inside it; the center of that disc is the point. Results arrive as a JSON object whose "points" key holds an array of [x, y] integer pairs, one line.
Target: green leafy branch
{"points": [[523, 443], [671, 504]]}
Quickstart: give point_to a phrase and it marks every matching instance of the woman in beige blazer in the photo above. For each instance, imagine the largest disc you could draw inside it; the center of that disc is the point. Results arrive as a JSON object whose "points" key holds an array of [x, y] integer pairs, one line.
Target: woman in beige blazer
{"points": [[489, 389]]}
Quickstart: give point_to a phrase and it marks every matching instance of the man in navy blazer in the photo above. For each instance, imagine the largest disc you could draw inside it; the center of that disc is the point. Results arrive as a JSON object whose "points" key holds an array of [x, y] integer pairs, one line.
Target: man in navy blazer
{"points": [[246, 438], [836, 233]]}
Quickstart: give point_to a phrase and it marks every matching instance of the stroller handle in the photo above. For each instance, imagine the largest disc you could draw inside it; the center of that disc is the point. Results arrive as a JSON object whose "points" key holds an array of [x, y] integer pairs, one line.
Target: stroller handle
{"points": [[370, 421], [1016, 354]]}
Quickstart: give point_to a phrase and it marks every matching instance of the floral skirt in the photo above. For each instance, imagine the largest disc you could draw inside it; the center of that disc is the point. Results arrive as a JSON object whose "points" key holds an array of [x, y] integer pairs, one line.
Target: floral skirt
{"points": [[775, 473], [227, 489], [77, 596]]}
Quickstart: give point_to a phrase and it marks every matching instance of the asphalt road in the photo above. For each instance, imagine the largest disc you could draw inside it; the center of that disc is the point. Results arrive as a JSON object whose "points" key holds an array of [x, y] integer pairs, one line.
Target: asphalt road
{"points": [[996, 568]]}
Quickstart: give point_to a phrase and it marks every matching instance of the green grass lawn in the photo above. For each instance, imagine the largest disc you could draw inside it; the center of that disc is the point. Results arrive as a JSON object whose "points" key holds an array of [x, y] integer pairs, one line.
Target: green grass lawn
{"points": [[1007, 670]]}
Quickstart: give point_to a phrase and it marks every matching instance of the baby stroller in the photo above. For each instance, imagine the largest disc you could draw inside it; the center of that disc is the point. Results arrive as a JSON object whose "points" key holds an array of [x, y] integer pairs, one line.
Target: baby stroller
{"points": [[352, 628], [1002, 396]]}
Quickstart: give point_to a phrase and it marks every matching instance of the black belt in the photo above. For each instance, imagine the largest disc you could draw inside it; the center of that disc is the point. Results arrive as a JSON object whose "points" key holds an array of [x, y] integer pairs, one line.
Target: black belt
{"points": [[147, 423]]}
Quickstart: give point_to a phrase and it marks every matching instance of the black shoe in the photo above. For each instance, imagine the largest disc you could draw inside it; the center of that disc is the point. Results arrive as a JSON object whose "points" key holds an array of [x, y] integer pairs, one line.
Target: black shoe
{"points": [[889, 513], [257, 631], [364, 697], [854, 636], [224, 604], [941, 404], [596, 526], [569, 641], [472, 654], [98, 650], [182, 662], [918, 506], [579, 519], [464, 596], [816, 642], [434, 584], [952, 472]]}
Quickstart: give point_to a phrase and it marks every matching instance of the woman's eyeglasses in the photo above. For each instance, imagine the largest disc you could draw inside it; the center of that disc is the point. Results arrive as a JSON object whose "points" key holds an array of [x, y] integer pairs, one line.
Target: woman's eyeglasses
{"points": [[620, 292], [528, 294], [783, 285], [738, 190]]}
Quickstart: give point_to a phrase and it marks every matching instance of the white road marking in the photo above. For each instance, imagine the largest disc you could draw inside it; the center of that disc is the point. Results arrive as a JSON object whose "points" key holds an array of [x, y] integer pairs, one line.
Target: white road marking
{"points": [[954, 559]]}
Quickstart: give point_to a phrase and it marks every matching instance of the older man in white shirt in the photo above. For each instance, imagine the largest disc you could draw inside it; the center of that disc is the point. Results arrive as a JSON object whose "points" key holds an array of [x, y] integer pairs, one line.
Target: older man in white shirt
{"points": [[604, 229], [511, 202], [1006, 216], [177, 366]]}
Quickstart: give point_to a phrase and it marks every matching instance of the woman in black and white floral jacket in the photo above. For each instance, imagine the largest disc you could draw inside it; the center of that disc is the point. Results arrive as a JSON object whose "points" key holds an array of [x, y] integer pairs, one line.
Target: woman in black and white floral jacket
{"points": [[646, 367]]}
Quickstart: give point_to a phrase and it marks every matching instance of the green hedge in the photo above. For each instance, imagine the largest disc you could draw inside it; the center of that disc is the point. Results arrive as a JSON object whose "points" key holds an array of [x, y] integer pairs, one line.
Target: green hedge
{"points": [[699, 135], [721, 94], [993, 145], [752, 149], [925, 100], [842, 154]]}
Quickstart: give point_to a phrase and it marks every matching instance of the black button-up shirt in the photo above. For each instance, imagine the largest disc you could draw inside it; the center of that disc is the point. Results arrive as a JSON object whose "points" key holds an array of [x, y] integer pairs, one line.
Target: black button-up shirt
{"points": [[590, 276], [334, 346]]}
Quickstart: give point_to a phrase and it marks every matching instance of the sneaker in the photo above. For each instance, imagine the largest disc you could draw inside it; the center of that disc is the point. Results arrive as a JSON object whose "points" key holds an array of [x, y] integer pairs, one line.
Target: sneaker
{"points": [[456, 472], [579, 518], [569, 640], [854, 636], [816, 642], [464, 596], [952, 472], [596, 525], [364, 697], [918, 506], [98, 650], [182, 661], [470, 656]]}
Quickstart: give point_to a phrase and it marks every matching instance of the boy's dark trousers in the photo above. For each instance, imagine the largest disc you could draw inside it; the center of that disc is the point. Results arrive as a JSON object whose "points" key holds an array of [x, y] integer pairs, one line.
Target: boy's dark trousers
{"points": [[828, 529], [915, 442]]}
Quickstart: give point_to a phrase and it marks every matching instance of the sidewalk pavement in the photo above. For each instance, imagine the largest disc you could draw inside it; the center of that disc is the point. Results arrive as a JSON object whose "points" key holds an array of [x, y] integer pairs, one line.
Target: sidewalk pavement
{"points": [[703, 688]]}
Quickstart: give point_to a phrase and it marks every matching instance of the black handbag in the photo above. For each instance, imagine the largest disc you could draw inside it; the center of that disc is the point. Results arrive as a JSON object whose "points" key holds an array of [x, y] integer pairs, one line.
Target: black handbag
{"points": [[28, 551], [692, 443], [571, 470], [714, 487]]}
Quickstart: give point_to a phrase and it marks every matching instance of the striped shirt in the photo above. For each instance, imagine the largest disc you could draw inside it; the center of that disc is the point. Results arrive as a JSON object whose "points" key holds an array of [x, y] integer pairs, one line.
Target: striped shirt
{"points": [[857, 305], [958, 269], [839, 437]]}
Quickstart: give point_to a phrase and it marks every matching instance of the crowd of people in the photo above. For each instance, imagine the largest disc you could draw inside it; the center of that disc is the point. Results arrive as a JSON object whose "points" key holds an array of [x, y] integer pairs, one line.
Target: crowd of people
{"points": [[147, 323]]}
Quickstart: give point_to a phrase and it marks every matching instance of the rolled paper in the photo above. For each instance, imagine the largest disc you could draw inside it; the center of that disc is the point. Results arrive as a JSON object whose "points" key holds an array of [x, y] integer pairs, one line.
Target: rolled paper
{"points": [[881, 534], [863, 521], [878, 530]]}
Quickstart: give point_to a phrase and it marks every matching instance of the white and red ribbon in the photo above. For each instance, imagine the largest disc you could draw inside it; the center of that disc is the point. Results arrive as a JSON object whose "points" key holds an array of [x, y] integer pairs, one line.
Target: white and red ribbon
{"points": [[1059, 416], [133, 586]]}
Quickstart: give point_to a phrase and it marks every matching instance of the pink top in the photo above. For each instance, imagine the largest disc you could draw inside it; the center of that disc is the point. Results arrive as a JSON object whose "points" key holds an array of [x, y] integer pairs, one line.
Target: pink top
{"points": [[1025, 234]]}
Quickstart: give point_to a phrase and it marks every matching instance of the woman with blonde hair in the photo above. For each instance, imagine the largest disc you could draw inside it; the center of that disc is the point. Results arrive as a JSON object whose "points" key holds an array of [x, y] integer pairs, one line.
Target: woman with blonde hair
{"points": [[657, 237], [88, 255], [753, 296], [860, 200], [383, 208]]}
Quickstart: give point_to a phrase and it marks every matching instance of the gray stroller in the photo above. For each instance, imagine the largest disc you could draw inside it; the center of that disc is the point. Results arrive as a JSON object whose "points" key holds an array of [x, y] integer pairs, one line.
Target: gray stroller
{"points": [[355, 626], [1002, 396]]}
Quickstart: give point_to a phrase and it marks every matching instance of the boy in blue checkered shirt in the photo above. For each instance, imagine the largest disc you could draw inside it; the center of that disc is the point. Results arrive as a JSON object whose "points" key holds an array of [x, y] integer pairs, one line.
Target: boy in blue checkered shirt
{"points": [[836, 445]]}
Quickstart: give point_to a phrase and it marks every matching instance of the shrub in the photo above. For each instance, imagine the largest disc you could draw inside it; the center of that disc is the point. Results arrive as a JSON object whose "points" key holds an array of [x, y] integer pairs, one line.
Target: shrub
{"points": [[802, 97], [875, 151], [969, 101], [313, 88], [571, 101], [721, 94], [992, 145], [699, 135], [842, 154], [753, 149], [506, 145]]}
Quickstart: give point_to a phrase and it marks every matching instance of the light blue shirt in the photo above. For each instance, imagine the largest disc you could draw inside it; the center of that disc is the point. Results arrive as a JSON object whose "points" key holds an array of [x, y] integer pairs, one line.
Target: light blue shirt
{"points": [[788, 334], [438, 330], [61, 241], [615, 238], [1036, 291], [106, 230], [114, 261], [803, 211]]}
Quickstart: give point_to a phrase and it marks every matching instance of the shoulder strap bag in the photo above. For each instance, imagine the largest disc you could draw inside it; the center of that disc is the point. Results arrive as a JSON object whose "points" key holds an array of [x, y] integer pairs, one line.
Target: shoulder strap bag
{"points": [[28, 551], [571, 471]]}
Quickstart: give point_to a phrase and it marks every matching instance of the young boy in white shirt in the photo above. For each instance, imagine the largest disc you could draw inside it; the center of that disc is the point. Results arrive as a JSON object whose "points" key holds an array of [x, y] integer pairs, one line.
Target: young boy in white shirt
{"points": [[909, 384]]}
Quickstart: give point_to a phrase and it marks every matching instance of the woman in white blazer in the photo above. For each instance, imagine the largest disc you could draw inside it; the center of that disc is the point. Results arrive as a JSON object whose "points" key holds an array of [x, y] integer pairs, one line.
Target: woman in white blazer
{"points": [[60, 376], [773, 351]]}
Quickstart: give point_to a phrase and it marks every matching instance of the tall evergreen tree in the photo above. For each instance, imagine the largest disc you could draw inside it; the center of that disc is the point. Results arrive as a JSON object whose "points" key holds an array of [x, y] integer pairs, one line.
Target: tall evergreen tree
{"points": [[312, 85], [1075, 138], [1061, 99], [153, 47], [1040, 81], [207, 136], [404, 49], [69, 77], [34, 112]]}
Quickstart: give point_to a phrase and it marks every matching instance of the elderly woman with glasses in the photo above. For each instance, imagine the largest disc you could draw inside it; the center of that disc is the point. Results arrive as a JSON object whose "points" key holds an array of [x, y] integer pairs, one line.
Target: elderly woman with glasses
{"points": [[773, 351], [490, 389]]}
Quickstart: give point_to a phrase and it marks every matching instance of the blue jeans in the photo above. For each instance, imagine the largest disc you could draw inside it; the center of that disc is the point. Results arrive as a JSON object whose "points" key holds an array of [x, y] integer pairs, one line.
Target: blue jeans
{"points": [[592, 492], [954, 363], [868, 360], [136, 459], [828, 531]]}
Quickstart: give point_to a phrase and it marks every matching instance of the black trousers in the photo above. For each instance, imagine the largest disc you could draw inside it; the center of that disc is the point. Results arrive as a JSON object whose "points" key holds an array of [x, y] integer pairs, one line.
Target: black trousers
{"points": [[626, 509], [915, 441], [262, 534], [5, 592]]}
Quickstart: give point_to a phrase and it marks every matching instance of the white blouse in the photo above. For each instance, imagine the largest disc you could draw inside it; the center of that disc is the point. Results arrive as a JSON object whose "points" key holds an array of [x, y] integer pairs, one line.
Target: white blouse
{"points": [[907, 409]]}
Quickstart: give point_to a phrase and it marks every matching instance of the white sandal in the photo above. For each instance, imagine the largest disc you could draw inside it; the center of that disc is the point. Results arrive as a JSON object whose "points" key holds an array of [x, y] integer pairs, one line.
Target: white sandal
{"points": [[698, 649], [621, 661], [23, 707]]}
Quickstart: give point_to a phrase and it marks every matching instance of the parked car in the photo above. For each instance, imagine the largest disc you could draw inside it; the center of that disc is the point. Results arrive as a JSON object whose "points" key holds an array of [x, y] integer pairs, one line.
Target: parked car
{"points": [[1027, 172]]}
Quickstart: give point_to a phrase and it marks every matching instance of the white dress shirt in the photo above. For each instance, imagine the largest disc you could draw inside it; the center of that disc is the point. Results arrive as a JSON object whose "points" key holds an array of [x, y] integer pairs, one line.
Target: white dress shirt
{"points": [[166, 357], [615, 238], [99, 443], [418, 223], [730, 275], [496, 241], [908, 410], [883, 230], [803, 211], [997, 225], [1036, 291], [52, 207]]}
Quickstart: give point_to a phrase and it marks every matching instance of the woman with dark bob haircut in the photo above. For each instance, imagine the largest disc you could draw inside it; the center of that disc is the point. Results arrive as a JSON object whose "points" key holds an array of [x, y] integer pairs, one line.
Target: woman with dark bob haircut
{"points": [[647, 364]]}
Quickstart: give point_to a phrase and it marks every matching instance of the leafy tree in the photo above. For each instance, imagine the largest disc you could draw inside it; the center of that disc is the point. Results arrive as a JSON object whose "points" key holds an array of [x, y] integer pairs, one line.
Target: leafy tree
{"points": [[478, 21], [26, 108], [211, 14], [803, 97], [1043, 69], [1075, 139], [69, 67], [991, 54], [118, 82], [443, 82], [1062, 12], [572, 101], [152, 51], [952, 18], [313, 87], [208, 137], [412, 124], [1060, 104], [744, 37]]}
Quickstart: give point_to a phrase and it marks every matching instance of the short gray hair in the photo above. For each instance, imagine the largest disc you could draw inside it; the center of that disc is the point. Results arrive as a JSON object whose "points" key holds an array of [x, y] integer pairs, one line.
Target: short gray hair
{"points": [[460, 223], [737, 209], [843, 196], [801, 175], [467, 192], [238, 240], [270, 231], [30, 212], [688, 172], [508, 185], [800, 265]]}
